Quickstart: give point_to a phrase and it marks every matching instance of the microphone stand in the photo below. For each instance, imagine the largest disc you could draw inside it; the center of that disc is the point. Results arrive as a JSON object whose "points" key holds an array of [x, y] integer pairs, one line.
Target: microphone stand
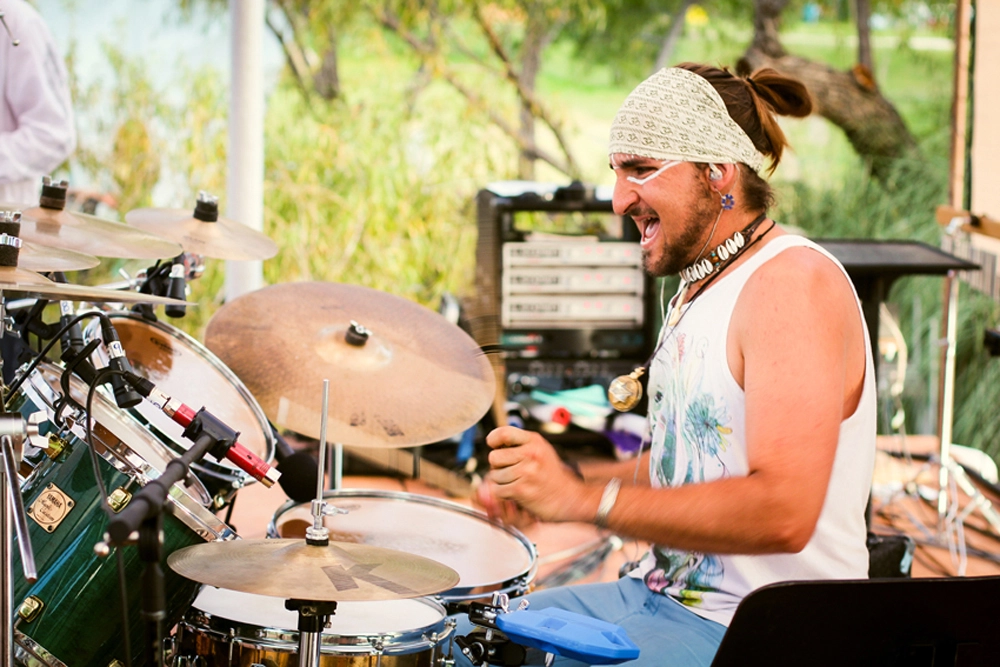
{"points": [[142, 521]]}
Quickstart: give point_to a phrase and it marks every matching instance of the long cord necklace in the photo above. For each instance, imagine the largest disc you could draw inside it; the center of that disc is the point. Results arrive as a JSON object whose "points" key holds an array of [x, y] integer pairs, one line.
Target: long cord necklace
{"points": [[625, 391]]}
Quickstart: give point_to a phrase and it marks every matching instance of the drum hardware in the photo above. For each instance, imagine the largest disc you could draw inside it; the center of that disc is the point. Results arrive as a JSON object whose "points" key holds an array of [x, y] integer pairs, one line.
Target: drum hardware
{"points": [[203, 232], [379, 389], [502, 635], [169, 279]]}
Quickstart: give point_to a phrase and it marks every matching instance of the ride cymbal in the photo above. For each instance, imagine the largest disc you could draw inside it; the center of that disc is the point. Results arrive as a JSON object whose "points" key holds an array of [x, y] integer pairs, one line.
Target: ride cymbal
{"points": [[203, 232], [292, 569], [70, 230], [404, 376], [32, 284]]}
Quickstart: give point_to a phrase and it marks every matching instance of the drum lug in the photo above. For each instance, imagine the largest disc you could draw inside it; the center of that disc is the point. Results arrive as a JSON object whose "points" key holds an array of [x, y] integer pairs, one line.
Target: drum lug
{"points": [[30, 608], [119, 499], [54, 446]]}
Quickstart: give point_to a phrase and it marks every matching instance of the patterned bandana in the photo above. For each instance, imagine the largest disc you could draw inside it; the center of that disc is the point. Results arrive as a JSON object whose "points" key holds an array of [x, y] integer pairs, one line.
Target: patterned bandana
{"points": [[677, 115]]}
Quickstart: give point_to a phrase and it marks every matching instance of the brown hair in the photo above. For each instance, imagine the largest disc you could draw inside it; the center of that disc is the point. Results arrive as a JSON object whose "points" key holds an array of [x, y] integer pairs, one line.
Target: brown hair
{"points": [[753, 101]]}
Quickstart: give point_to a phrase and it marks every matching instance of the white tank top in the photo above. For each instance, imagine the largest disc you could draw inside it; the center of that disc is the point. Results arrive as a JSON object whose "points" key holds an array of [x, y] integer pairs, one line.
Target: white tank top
{"points": [[697, 428]]}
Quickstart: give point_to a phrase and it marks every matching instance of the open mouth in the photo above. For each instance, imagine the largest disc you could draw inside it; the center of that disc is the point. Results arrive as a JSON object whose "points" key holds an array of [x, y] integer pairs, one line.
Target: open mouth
{"points": [[649, 226]]}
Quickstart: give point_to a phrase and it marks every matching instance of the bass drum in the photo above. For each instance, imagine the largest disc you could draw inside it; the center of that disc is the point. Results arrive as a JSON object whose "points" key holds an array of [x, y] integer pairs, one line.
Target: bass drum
{"points": [[72, 615], [489, 558], [186, 370], [233, 629]]}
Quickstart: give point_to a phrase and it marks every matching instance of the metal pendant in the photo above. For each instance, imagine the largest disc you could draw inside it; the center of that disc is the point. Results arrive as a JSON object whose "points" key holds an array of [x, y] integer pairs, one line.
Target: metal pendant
{"points": [[625, 391]]}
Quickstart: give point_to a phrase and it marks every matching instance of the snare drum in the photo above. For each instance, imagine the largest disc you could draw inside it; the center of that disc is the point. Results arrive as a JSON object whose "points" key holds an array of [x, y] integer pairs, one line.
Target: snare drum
{"points": [[72, 614], [185, 369], [489, 558], [232, 629]]}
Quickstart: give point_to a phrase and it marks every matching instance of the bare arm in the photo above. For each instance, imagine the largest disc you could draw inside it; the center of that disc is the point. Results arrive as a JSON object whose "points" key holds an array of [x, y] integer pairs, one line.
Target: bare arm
{"points": [[798, 345]]}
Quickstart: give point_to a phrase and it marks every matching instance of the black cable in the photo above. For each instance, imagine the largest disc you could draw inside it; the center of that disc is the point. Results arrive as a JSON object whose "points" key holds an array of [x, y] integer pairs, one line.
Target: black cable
{"points": [[16, 384]]}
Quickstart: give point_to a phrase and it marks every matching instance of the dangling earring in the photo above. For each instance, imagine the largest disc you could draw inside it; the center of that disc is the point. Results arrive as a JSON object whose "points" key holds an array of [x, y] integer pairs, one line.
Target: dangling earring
{"points": [[728, 202]]}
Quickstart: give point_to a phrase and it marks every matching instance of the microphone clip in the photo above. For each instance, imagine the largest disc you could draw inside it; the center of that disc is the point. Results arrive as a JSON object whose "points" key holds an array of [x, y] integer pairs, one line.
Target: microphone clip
{"points": [[206, 425]]}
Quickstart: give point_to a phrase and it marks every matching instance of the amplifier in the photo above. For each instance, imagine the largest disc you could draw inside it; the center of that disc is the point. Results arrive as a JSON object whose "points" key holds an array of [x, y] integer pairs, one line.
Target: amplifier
{"points": [[573, 280], [572, 311], [572, 253]]}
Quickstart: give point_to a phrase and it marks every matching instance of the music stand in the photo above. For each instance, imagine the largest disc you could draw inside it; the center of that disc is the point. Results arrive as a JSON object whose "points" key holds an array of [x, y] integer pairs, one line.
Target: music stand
{"points": [[879, 622]]}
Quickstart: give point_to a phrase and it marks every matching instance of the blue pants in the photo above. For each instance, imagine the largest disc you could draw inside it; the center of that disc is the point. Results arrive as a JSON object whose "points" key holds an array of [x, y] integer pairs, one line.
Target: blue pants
{"points": [[668, 635]]}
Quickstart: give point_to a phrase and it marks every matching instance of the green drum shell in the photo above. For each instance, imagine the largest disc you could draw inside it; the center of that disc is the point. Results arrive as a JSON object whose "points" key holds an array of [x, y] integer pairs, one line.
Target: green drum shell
{"points": [[80, 623]]}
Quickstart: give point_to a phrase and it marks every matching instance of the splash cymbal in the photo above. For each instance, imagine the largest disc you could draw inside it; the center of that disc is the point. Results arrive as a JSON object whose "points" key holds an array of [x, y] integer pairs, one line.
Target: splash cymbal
{"points": [[32, 284], [70, 230], [292, 569], [42, 258], [221, 238], [414, 379]]}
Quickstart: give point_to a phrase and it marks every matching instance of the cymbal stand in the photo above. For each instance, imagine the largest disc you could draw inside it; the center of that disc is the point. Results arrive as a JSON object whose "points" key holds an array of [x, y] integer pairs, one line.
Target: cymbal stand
{"points": [[950, 474], [13, 432], [313, 616]]}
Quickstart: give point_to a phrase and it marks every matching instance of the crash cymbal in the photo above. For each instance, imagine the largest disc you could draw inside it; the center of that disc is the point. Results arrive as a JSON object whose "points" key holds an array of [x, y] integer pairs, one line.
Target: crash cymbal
{"points": [[89, 234], [415, 379], [221, 239], [292, 569], [31, 284], [41, 258]]}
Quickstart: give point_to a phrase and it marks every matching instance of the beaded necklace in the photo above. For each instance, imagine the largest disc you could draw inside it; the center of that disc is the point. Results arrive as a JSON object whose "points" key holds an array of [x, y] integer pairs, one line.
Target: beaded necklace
{"points": [[625, 391]]}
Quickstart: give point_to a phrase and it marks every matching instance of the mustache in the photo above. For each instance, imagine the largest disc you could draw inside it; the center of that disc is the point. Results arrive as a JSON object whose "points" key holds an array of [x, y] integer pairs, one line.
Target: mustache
{"points": [[639, 211]]}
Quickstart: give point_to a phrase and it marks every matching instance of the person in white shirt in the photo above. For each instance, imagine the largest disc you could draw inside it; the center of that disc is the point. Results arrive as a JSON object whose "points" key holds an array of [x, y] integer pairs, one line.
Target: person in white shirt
{"points": [[37, 131], [761, 386]]}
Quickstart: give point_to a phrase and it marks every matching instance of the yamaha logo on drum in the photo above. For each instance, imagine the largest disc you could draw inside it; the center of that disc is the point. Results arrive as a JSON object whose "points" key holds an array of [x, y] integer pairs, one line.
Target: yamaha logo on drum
{"points": [[51, 507]]}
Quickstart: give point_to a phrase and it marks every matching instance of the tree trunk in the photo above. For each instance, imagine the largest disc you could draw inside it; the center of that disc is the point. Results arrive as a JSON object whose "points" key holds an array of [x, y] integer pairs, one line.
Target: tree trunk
{"points": [[847, 99], [535, 39], [673, 35], [327, 79], [863, 10]]}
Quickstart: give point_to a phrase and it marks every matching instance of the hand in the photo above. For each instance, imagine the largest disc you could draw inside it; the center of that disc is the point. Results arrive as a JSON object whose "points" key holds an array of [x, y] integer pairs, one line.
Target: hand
{"points": [[525, 469], [505, 511]]}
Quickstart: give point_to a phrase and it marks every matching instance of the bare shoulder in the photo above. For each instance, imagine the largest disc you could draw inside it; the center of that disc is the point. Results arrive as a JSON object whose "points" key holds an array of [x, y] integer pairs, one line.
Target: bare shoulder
{"points": [[796, 274]]}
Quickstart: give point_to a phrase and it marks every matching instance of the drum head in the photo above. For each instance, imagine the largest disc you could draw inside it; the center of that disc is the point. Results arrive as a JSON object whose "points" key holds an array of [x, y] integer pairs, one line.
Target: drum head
{"points": [[184, 369], [487, 556], [352, 619]]}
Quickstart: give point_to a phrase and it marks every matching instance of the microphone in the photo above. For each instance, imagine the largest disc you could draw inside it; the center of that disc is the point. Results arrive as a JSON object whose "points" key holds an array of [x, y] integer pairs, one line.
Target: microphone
{"points": [[299, 470], [125, 396], [246, 460], [176, 287]]}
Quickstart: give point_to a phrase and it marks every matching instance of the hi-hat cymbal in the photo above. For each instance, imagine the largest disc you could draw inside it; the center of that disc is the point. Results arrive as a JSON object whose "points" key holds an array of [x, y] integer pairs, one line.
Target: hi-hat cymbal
{"points": [[416, 379], [292, 569], [31, 284], [221, 239], [70, 230], [42, 258]]}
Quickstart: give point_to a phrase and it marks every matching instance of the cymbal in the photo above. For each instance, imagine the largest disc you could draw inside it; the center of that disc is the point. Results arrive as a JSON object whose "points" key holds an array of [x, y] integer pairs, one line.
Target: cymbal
{"points": [[221, 239], [417, 379], [32, 284], [293, 569], [42, 258], [70, 230]]}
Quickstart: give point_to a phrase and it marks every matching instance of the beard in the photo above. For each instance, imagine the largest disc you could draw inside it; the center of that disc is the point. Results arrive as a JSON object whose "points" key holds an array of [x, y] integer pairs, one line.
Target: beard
{"points": [[691, 232]]}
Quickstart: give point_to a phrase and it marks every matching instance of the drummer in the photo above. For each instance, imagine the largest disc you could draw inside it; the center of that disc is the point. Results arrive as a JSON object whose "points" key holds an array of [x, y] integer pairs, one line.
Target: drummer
{"points": [[761, 387]]}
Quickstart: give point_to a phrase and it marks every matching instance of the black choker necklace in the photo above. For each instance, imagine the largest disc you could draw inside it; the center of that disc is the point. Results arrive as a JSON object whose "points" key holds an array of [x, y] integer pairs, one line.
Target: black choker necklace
{"points": [[625, 391]]}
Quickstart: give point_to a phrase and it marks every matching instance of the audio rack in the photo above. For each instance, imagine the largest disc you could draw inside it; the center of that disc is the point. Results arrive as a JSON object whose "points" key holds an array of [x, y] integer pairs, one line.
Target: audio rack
{"points": [[561, 295]]}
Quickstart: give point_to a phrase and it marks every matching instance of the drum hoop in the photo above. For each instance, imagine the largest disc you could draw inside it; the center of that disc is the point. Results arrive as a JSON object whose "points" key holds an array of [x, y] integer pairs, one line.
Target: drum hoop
{"points": [[248, 634], [517, 583], [212, 468], [185, 506]]}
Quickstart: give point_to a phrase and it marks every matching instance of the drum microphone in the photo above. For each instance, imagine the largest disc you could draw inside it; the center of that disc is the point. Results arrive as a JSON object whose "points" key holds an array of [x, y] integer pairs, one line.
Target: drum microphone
{"points": [[125, 395], [299, 470], [176, 287], [246, 460]]}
